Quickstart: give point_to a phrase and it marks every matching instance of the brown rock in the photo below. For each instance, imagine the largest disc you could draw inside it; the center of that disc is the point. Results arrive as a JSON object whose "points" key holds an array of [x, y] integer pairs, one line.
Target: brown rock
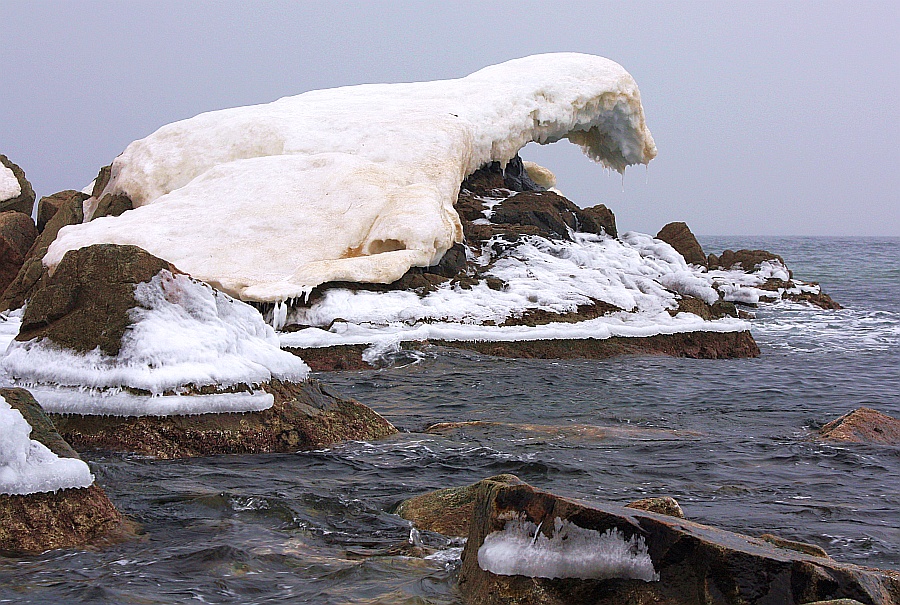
{"points": [[17, 234], [305, 415], [85, 303], [51, 204], [748, 260], [598, 219], [66, 518], [24, 202], [808, 549], [101, 181], [863, 425], [42, 429], [665, 505], [112, 205], [70, 213], [717, 310], [552, 214], [679, 236], [696, 563], [448, 511]]}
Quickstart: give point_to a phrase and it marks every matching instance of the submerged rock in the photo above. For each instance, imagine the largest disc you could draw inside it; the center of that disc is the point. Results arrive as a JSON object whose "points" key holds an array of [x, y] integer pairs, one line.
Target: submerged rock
{"points": [[15, 190], [691, 563], [679, 236], [305, 415], [863, 425]]}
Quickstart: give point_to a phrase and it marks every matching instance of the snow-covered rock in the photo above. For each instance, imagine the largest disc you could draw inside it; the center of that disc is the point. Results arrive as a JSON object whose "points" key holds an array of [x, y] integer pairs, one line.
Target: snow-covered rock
{"points": [[15, 190], [241, 198]]}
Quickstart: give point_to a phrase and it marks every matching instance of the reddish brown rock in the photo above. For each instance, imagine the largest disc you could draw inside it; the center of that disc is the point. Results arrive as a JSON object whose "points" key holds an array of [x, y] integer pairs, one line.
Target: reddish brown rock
{"points": [[598, 219], [680, 237], [305, 415], [24, 202], [863, 425], [17, 234], [696, 563]]}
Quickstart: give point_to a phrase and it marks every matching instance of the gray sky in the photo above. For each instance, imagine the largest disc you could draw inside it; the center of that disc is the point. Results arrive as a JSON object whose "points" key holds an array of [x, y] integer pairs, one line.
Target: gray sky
{"points": [[771, 118]]}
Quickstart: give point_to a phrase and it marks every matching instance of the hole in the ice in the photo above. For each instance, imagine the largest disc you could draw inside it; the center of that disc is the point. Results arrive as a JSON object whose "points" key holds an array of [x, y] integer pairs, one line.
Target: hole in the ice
{"points": [[386, 245]]}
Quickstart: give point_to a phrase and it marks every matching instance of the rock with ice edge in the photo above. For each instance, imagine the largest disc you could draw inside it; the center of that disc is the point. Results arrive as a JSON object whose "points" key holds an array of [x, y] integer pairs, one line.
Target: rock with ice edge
{"points": [[27, 466], [239, 198]]}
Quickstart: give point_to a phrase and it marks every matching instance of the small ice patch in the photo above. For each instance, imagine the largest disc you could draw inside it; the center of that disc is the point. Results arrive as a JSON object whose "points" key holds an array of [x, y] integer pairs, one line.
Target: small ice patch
{"points": [[9, 184], [27, 466], [571, 552]]}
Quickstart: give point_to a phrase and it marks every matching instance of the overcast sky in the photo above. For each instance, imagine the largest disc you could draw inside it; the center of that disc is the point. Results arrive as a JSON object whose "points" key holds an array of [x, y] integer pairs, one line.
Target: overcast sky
{"points": [[770, 117]]}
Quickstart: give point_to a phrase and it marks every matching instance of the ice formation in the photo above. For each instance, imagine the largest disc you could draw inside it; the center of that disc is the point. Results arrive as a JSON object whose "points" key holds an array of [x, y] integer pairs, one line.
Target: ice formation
{"points": [[27, 466], [355, 183], [571, 552], [184, 333], [639, 274], [9, 184]]}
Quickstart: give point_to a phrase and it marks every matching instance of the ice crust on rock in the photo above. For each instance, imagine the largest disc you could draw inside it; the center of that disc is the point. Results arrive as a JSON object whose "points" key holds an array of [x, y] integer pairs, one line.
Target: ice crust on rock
{"points": [[9, 184], [184, 333], [571, 552], [27, 466], [640, 275], [355, 183]]}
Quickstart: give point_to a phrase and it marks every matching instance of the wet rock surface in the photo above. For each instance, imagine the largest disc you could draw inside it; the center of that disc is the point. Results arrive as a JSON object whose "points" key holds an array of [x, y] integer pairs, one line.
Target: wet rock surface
{"points": [[24, 202], [695, 563], [305, 415], [665, 505], [863, 425]]}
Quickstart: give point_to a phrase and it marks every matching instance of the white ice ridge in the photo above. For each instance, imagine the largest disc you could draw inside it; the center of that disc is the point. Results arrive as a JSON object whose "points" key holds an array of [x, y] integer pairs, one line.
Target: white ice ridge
{"points": [[9, 184], [357, 183], [184, 333], [571, 552], [27, 466]]}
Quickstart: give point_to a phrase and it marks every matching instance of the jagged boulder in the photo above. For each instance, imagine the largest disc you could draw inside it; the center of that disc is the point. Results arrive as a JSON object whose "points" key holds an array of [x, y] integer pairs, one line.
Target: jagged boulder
{"points": [[15, 190], [679, 236], [69, 212], [863, 425], [49, 205], [692, 563], [598, 219], [17, 234], [65, 518]]}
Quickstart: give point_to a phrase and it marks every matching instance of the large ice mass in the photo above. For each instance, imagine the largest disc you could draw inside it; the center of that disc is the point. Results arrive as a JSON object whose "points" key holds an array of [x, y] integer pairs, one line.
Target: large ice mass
{"points": [[184, 333], [9, 184], [570, 552], [355, 183], [27, 466]]}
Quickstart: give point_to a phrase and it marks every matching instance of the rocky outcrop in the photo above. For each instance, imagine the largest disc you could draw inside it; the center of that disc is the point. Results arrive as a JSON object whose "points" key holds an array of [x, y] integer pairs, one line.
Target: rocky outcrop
{"points": [[680, 237], [598, 219], [69, 212], [62, 519], [85, 304], [49, 205], [748, 260], [17, 234], [695, 563], [863, 425], [24, 201], [305, 415]]}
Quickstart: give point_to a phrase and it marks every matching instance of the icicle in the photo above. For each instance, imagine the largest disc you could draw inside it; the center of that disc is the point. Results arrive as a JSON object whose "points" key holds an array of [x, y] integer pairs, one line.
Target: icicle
{"points": [[279, 315]]}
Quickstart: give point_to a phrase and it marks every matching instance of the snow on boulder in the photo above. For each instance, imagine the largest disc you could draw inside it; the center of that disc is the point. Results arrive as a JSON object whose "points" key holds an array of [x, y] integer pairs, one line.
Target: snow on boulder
{"points": [[138, 332], [15, 190], [356, 183]]}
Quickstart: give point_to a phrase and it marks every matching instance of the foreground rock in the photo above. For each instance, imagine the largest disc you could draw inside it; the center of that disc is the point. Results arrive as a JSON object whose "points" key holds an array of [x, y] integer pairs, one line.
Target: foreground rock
{"points": [[64, 518], [305, 415], [15, 190], [863, 425], [691, 563]]}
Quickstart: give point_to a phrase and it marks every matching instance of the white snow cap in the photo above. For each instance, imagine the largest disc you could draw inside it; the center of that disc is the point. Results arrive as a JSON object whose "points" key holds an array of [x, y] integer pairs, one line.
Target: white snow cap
{"points": [[184, 333], [9, 184], [27, 466], [357, 183]]}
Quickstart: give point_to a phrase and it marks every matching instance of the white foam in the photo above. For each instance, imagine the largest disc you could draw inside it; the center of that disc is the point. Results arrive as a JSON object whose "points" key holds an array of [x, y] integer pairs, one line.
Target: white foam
{"points": [[9, 184], [27, 466], [241, 198], [571, 552], [184, 333]]}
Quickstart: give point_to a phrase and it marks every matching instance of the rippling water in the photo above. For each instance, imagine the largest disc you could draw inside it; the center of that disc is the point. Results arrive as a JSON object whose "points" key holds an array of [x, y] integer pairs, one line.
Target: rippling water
{"points": [[730, 439]]}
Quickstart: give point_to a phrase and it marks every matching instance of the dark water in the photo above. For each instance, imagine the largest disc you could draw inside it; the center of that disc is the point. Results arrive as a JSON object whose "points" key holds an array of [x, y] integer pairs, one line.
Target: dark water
{"points": [[730, 439]]}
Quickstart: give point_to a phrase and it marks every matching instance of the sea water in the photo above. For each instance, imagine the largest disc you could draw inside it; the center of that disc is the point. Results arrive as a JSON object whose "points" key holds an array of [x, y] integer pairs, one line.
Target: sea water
{"points": [[731, 440]]}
